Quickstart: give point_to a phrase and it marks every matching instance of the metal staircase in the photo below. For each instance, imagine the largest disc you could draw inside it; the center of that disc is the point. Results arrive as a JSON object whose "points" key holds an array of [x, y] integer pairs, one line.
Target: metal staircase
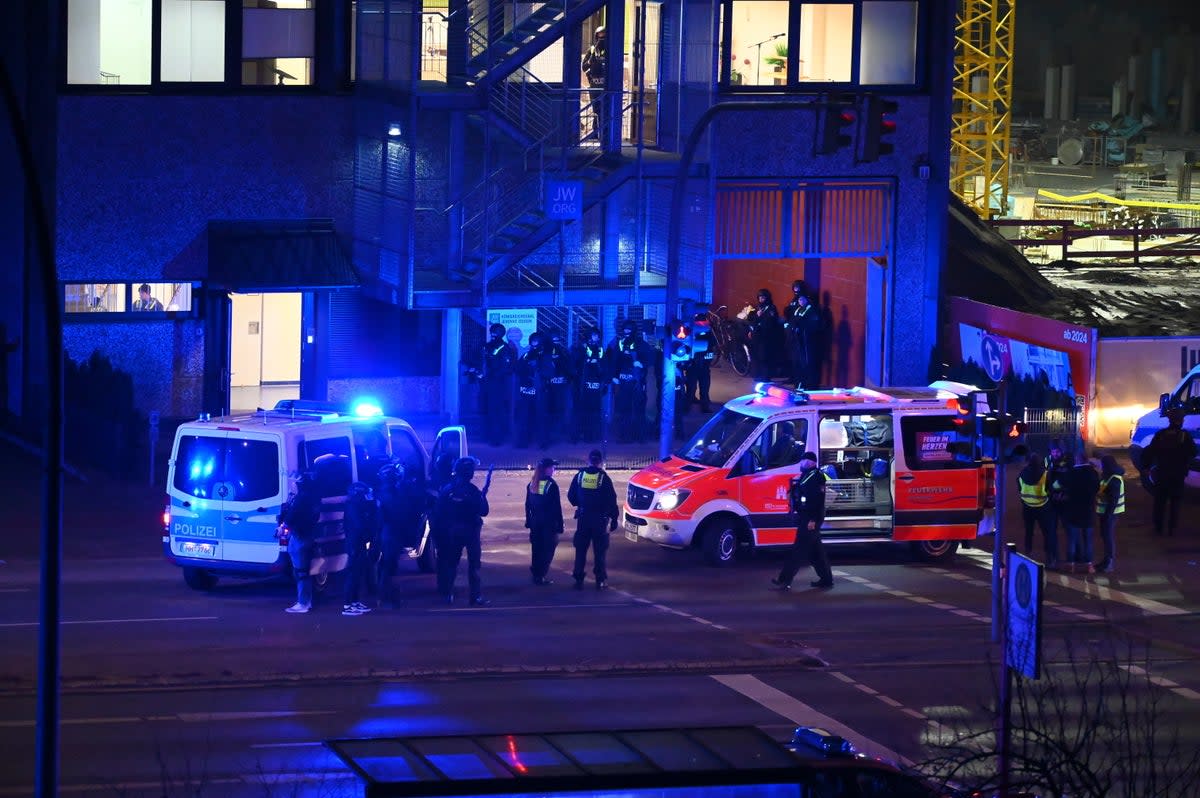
{"points": [[503, 36]]}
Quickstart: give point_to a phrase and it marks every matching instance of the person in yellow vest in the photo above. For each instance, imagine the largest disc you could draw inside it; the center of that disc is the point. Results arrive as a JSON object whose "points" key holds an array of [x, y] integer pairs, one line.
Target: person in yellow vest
{"points": [[1110, 502], [543, 519], [1035, 507]]}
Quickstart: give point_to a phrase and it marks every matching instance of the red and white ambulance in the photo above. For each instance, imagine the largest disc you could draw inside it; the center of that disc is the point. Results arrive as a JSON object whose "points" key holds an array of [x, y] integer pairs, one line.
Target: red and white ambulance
{"points": [[901, 464]]}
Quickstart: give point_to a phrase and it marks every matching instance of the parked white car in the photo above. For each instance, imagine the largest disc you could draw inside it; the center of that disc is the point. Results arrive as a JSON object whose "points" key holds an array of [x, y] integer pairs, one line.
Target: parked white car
{"points": [[1185, 396]]}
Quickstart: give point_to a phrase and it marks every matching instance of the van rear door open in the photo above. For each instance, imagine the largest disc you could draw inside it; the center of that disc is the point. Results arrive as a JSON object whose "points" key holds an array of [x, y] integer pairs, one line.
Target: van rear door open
{"points": [[937, 485]]}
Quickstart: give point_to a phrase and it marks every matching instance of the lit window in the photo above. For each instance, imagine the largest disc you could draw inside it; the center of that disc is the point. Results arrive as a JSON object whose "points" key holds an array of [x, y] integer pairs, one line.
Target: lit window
{"points": [[278, 42], [758, 42], [826, 42], [171, 297], [889, 42], [193, 41], [108, 42], [94, 298]]}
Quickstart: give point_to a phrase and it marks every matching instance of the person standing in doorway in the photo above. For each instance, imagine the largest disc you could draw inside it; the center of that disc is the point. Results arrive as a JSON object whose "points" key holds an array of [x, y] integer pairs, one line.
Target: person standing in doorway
{"points": [[595, 501], [802, 325], [807, 499], [595, 71], [543, 519]]}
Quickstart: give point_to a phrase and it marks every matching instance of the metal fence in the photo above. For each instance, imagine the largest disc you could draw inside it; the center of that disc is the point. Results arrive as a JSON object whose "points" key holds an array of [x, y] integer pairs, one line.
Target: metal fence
{"points": [[1045, 425]]}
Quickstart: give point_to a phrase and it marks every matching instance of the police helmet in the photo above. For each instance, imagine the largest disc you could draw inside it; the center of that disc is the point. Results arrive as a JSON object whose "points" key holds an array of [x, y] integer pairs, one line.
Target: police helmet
{"points": [[592, 332], [557, 337], [464, 467], [601, 32], [535, 340], [627, 327], [497, 329]]}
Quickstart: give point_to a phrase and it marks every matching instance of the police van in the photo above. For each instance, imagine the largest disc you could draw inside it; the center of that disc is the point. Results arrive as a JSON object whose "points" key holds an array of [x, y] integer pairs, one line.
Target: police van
{"points": [[1184, 397], [902, 464], [229, 477]]}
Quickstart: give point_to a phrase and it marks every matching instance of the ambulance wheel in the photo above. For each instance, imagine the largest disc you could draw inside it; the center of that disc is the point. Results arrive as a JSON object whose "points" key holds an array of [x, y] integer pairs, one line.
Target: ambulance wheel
{"points": [[199, 579], [427, 562], [935, 550], [719, 540]]}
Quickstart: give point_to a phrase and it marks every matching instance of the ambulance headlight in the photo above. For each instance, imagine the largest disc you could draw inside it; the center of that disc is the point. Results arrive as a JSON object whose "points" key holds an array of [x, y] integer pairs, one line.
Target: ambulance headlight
{"points": [[671, 499]]}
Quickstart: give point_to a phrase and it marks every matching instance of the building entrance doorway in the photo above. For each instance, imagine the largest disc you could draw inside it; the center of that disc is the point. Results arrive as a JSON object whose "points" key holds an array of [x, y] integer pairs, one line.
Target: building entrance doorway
{"points": [[264, 349]]}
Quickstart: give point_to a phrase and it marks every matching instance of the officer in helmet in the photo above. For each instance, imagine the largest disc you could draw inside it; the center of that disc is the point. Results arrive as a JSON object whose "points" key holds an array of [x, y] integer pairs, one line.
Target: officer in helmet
{"points": [[298, 520], [595, 70], [533, 382], [459, 515], [403, 503], [499, 364], [630, 359], [361, 525], [560, 375], [592, 375]]}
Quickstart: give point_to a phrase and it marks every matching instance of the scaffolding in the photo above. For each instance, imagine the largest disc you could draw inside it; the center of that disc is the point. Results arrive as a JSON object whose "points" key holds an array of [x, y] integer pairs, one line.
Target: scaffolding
{"points": [[982, 104]]}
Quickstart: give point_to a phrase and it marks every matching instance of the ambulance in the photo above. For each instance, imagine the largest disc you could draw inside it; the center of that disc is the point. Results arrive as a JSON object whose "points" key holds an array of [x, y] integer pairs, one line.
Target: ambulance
{"points": [[1184, 397], [902, 464], [229, 477]]}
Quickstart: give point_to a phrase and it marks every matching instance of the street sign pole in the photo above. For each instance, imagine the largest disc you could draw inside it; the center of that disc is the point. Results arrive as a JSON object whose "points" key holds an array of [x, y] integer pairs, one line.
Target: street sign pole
{"points": [[1004, 735], [998, 511]]}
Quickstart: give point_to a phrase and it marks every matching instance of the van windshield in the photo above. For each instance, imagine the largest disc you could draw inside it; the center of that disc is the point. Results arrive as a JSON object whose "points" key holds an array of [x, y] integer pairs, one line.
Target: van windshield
{"points": [[228, 469], [717, 440]]}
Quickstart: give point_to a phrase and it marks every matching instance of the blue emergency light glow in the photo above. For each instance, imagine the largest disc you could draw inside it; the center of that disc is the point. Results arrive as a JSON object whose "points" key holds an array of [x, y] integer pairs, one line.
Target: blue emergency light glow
{"points": [[367, 408], [780, 392]]}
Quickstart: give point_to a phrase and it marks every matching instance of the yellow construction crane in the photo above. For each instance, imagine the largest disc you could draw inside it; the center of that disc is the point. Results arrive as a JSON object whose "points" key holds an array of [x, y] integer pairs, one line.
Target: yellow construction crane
{"points": [[982, 104]]}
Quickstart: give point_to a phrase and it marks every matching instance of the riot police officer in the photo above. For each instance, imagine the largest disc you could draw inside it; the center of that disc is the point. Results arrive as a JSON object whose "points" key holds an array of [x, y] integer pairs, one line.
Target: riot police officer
{"points": [[459, 513], [699, 369], [533, 377], [595, 501], [560, 376], [499, 362], [802, 326], [403, 503], [361, 525], [299, 518], [591, 372], [630, 361]]}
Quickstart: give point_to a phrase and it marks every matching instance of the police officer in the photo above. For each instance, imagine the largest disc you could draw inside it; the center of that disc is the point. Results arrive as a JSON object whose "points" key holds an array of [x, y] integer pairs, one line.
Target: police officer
{"points": [[1167, 460], [560, 376], [533, 377], [591, 373], [802, 325], [300, 517], [459, 513], [361, 525], [499, 363], [807, 498], [699, 371], [629, 360], [595, 501], [543, 519], [1035, 507], [403, 503], [1057, 468]]}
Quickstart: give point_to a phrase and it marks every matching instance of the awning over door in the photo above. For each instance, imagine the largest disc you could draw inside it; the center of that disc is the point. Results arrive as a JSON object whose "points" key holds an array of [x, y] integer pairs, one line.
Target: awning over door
{"points": [[277, 255]]}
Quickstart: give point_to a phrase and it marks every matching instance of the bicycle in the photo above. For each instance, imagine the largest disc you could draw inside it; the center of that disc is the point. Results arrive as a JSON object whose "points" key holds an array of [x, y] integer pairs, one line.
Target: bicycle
{"points": [[729, 339]]}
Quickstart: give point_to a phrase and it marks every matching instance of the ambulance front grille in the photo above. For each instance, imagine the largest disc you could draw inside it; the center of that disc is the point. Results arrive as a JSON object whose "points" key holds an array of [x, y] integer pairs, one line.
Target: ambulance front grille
{"points": [[639, 498]]}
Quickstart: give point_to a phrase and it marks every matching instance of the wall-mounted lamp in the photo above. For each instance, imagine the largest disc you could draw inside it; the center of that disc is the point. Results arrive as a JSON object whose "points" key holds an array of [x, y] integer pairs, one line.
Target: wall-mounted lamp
{"points": [[394, 129], [921, 167]]}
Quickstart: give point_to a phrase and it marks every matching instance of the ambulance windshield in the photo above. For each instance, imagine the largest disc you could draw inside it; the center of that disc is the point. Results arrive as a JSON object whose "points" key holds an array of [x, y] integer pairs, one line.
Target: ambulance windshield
{"points": [[717, 440]]}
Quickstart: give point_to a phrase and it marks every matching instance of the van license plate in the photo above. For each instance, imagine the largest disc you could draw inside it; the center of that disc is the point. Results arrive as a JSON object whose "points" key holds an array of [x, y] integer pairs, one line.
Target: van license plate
{"points": [[631, 531], [194, 548]]}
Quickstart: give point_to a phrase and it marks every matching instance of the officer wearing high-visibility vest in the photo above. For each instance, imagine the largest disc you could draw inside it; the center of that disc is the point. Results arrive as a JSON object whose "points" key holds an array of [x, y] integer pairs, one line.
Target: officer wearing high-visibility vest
{"points": [[1035, 506], [1110, 502], [807, 498], [543, 519], [595, 501]]}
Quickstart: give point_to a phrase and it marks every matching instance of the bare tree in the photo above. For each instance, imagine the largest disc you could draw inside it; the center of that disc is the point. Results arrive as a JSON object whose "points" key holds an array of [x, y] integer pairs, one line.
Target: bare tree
{"points": [[1095, 725]]}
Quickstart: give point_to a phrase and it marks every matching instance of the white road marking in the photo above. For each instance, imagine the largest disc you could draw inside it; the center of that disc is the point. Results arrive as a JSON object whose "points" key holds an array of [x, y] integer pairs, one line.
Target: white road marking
{"points": [[15, 589], [891, 702], [314, 744], [1187, 692], [798, 712], [841, 677], [494, 607], [114, 620], [912, 713], [208, 717]]}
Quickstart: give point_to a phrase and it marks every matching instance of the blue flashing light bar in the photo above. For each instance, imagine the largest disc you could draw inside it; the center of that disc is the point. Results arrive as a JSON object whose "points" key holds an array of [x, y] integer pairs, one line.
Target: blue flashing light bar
{"points": [[367, 408], [779, 392]]}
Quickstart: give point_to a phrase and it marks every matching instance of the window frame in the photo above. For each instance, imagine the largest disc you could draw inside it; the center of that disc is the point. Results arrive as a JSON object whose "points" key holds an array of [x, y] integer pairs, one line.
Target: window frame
{"points": [[129, 289], [792, 84], [232, 80]]}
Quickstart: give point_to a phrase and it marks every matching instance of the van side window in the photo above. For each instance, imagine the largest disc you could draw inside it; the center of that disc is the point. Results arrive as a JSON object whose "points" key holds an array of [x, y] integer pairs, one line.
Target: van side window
{"points": [[1189, 395], [370, 451], [934, 442], [856, 446], [782, 443], [310, 450], [406, 451]]}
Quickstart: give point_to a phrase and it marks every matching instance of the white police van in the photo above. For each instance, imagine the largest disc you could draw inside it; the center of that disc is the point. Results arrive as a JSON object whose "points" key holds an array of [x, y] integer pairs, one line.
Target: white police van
{"points": [[1186, 397], [229, 477]]}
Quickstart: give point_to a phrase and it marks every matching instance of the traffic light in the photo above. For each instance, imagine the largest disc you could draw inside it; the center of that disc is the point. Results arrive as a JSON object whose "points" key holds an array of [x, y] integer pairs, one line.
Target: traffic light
{"points": [[679, 342], [701, 332], [878, 128], [834, 134]]}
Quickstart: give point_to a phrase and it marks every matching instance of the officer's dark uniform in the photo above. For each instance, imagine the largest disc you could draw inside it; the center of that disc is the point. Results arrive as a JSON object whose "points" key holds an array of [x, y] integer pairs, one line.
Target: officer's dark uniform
{"points": [[629, 358], [499, 363], [533, 372], [699, 374], [560, 376], [802, 322], [459, 513], [403, 502], [301, 515], [807, 497], [591, 372], [361, 525], [544, 520], [595, 501]]}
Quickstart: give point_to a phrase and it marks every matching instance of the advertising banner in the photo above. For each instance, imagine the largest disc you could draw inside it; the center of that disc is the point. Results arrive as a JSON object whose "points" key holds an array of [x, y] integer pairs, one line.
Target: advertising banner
{"points": [[1045, 359], [524, 319], [1131, 373]]}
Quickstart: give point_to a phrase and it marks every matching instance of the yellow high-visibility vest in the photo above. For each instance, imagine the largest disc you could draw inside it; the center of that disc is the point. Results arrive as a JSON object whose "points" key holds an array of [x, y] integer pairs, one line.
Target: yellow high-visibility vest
{"points": [[1034, 495], [1102, 500]]}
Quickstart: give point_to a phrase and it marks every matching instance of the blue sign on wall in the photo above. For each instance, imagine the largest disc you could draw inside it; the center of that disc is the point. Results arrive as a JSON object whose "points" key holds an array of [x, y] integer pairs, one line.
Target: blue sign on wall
{"points": [[564, 199], [1023, 610]]}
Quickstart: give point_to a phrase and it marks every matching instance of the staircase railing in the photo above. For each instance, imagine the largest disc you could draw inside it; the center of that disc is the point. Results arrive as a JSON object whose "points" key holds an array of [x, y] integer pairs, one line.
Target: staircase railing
{"points": [[490, 22]]}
